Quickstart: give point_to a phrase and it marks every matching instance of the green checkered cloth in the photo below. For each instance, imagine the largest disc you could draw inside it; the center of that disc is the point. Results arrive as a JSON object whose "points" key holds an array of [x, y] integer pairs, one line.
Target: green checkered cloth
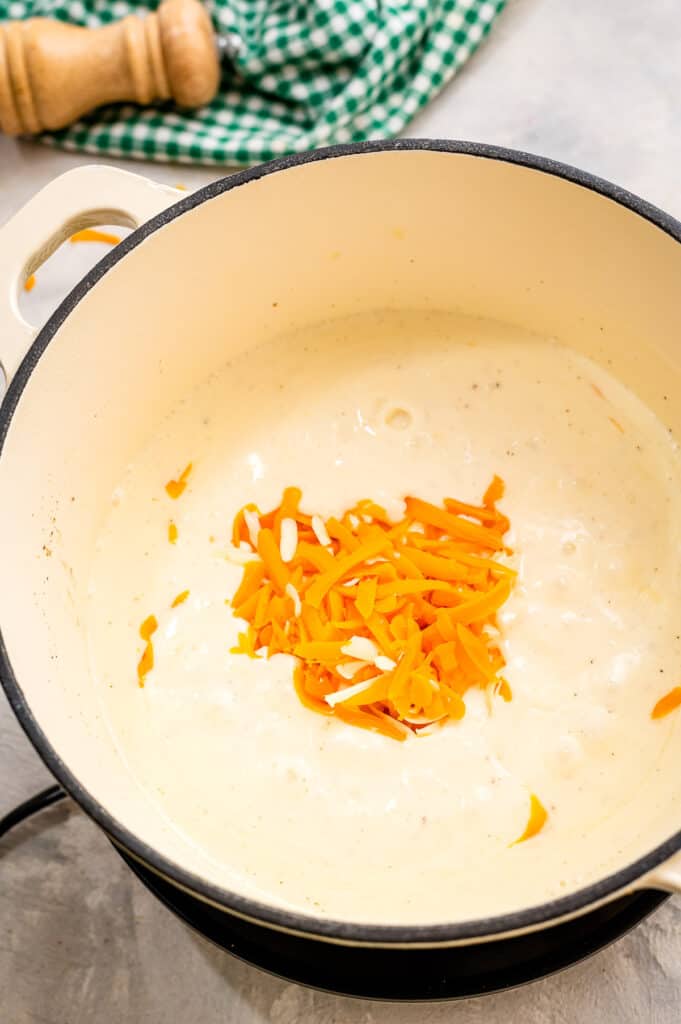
{"points": [[302, 74]]}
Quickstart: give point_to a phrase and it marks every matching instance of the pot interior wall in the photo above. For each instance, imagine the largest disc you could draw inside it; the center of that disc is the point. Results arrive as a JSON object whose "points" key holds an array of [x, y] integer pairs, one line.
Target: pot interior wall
{"points": [[417, 230]]}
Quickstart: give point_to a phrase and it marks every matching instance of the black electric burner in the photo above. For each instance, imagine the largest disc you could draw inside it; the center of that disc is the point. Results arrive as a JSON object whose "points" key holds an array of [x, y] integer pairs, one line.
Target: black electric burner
{"points": [[410, 975]]}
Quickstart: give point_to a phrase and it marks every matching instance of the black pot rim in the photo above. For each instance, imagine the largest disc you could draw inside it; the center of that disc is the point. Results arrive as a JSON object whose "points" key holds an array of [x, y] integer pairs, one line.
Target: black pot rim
{"points": [[304, 924]]}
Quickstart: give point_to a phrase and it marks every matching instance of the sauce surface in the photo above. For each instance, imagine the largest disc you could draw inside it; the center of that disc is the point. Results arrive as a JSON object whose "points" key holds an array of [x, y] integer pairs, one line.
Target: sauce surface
{"points": [[295, 809]]}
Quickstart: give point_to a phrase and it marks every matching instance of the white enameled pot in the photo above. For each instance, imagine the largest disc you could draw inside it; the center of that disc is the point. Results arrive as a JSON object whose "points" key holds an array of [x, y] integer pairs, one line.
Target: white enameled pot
{"points": [[495, 233]]}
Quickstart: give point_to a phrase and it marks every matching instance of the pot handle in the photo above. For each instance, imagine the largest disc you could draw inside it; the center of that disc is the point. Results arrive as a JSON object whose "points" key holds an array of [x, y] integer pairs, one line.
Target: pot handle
{"points": [[85, 197], [666, 877]]}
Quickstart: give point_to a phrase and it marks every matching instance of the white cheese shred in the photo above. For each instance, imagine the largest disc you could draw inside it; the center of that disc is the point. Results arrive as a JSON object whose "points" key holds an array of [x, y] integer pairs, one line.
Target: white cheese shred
{"points": [[289, 539], [295, 597], [361, 647], [349, 691], [349, 669], [320, 531], [252, 520]]}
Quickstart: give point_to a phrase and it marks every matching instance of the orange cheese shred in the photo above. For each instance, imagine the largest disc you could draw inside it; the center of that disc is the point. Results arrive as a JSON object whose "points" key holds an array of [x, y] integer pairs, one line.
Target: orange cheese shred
{"points": [[172, 532], [29, 283], [366, 597], [536, 820], [483, 607], [504, 690], [385, 619], [268, 549], [180, 599], [323, 583], [93, 235], [246, 643], [454, 525], [146, 663], [254, 574], [665, 705], [174, 488], [148, 627], [494, 492], [319, 650]]}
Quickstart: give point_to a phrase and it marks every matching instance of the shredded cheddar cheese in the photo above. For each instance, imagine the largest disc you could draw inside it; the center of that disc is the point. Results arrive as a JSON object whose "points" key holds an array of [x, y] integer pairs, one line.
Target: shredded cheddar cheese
{"points": [[174, 488], [389, 621], [146, 662], [148, 627], [536, 820], [172, 532], [86, 235], [180, 599], [665, 705], [92, 235]]}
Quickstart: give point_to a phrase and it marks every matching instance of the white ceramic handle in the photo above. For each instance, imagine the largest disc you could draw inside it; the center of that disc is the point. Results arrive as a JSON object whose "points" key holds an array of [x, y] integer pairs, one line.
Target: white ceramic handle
{"points": [[84, 197], [666, 877]]}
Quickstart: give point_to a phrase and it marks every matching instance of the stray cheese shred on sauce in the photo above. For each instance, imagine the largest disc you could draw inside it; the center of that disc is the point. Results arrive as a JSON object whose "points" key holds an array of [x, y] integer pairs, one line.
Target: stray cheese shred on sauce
{"points": [[391, 622], [174, 488], [665, 705], [146, 662], [536, 820]]}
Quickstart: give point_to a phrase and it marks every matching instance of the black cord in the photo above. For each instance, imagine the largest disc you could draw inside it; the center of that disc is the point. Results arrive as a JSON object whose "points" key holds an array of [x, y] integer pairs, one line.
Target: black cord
{"points": [[47, 797]]}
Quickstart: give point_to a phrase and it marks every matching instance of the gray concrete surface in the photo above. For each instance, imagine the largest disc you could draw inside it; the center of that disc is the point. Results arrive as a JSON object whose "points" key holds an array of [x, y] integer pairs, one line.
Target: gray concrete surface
{"points": [[596, 84]]}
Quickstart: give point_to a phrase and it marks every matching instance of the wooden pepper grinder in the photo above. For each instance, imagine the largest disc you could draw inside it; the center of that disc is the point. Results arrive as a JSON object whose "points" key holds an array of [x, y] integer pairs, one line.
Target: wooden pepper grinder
{"points": [[51, 73]]}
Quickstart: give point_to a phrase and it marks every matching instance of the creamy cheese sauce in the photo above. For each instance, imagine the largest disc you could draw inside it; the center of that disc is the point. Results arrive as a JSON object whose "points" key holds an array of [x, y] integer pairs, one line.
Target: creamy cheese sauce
{"points": [[285, 805]]}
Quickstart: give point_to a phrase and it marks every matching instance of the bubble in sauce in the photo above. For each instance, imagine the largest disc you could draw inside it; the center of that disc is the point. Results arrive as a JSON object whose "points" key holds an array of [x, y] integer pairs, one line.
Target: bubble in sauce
{"points": [[398, 419]]}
